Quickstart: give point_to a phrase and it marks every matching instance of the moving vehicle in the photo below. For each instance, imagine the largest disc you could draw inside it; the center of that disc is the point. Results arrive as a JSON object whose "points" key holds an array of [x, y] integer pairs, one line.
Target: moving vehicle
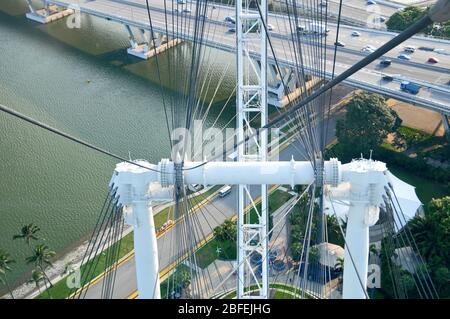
{"points": [[369, 2], [356, 34], [410, 49], [388, 78], [367, 50], [301, 28], [232, 30], [224, 191], [318, 28], [433, 60], [410, 87], [339, 44], [230, 19], [186, 10], [270, 27], [385, 62], [404, 57]]}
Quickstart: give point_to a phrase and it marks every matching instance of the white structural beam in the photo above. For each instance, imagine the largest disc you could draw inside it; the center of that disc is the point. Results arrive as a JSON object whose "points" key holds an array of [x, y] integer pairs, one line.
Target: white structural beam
{"points": [[251, 103]]}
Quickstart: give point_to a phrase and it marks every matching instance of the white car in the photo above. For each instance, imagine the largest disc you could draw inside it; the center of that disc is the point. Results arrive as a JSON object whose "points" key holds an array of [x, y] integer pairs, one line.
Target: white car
{"points": [[371, 47], [410, 49], [367, 50], [270, 27], [356, 34]]}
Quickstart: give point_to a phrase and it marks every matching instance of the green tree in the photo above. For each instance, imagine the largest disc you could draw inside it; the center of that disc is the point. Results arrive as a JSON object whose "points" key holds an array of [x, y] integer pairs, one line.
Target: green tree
{"points": [[366, 124], [28, 233], [400, 20], [5, 266], [41, 259], [314, 255], [37, 276]]}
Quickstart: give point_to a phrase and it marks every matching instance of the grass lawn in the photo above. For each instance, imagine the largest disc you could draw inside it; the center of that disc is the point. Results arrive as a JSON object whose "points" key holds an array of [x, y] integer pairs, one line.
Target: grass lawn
{"points": [[208, 253], [171, 281]]}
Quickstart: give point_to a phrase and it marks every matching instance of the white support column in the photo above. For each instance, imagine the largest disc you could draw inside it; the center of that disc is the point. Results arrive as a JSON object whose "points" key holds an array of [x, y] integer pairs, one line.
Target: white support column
{"points": [[146, 251], [357, 237], [251, 101]]}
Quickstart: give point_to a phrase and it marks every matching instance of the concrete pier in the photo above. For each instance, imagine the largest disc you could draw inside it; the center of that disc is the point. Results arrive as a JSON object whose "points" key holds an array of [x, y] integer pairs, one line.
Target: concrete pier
{"points": [[48, 14], [149, 46]]}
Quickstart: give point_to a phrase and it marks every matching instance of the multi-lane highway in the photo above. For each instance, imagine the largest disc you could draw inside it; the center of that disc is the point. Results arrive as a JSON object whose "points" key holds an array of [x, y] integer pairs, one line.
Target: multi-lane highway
{"points": [[434, 78]]}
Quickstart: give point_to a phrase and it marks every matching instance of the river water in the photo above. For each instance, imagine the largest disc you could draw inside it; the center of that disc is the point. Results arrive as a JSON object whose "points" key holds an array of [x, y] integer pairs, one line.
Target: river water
{"points": [[82, 82]]}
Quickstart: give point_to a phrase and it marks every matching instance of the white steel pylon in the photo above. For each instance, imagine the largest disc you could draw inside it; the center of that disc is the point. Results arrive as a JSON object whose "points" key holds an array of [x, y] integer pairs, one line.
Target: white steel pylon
{"points": [[251, 103]]}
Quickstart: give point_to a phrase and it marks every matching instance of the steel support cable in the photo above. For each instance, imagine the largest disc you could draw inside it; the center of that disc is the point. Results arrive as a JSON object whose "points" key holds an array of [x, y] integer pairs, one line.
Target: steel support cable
{"points": [[338, 28], [197, 204], [402, 230], [408, 230], [401, 243], [108, 198], [91, 246], [112, 253], [268, 234], [158, 70], [385, 233], [392, 245], [95, 258], [285, 87]]}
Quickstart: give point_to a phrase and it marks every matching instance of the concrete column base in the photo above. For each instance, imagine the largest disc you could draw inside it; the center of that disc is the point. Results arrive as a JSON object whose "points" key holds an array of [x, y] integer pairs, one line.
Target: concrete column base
{"points": [[142, 51], [50, 14]]}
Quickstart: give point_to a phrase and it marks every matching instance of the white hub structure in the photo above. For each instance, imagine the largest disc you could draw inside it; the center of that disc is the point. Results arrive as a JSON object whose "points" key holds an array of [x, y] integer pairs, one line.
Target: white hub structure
{"points": [[361, 183]]}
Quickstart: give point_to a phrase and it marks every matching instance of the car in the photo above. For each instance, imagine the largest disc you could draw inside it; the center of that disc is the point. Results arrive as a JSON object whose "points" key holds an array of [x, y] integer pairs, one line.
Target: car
{"points": [[230, 20], [433, 60], [323, 3], [370, 2], [356, 34], [388, 78], [382, 19], [404, 57], [339, 44], [186, 10], [203, 16], [270, 27], [224, 191], [385, 62], [367, 50], [301, 28], [410, 49], [181, 2], [429, 49], [232, 30], [371, 47]]}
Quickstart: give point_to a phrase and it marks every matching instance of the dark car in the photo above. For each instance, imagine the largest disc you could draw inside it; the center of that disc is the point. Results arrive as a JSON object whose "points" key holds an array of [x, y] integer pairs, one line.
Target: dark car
{"points": [[388, 78], [386, 62]]}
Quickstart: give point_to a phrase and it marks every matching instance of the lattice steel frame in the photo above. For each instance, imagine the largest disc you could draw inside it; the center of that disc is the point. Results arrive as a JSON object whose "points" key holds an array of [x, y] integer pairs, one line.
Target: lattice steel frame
{"points": [[251, 102]]}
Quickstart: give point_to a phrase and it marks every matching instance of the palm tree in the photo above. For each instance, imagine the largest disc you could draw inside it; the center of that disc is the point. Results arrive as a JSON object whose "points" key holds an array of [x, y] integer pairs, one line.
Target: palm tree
{"points": [[36, 277], [41, 258], [28, 233], [373, 250], [5, 261]]}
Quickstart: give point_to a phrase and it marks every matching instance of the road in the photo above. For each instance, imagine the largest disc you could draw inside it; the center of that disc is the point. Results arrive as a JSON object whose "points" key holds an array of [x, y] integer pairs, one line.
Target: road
{"points": [[433, 78]]}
